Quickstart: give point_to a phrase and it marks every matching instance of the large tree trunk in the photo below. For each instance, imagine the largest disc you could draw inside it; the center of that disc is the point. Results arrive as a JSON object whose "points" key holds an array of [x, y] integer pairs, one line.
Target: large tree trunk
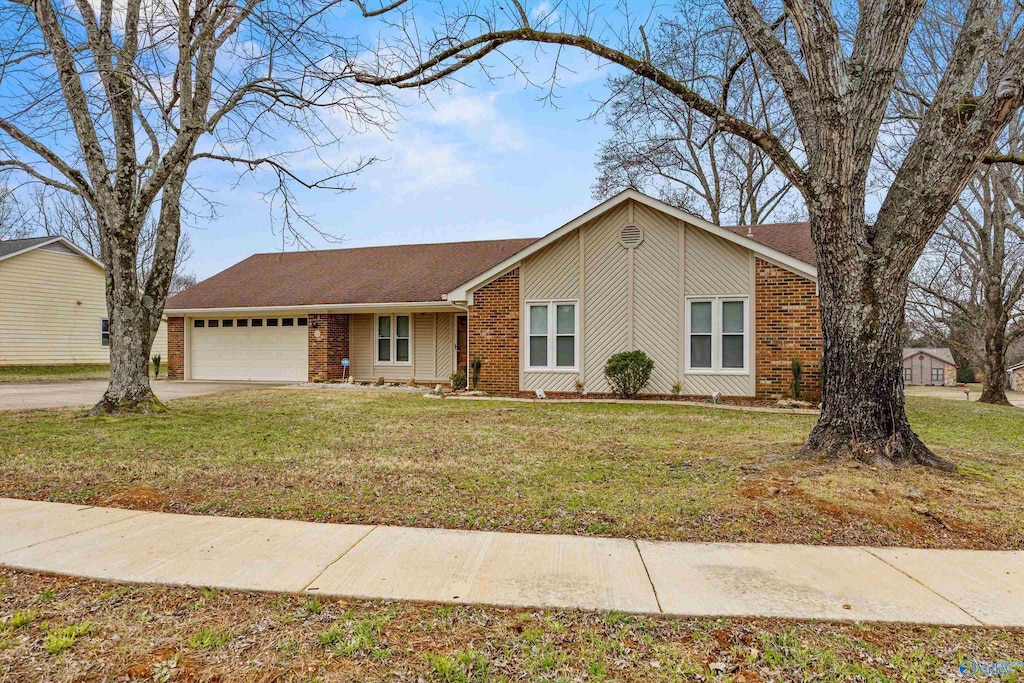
{"points": [[863, 412], [994, 389], [130, 340]]}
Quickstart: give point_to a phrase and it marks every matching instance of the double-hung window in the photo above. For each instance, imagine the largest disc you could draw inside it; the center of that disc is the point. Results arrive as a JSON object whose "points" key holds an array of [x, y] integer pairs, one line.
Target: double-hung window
{"points": [[553, 336], [393, 340], [938, 375], [718, 338], [105, 332], [908, 375]]}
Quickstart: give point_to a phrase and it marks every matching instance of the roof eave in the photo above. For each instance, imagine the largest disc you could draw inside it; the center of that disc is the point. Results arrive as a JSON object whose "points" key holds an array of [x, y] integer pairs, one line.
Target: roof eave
{"points": [[333, 308], [63, 240]]}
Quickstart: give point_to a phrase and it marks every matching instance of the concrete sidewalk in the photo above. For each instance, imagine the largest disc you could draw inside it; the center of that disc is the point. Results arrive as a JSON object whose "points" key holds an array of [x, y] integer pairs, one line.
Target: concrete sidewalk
{"points": [[524, 570]]}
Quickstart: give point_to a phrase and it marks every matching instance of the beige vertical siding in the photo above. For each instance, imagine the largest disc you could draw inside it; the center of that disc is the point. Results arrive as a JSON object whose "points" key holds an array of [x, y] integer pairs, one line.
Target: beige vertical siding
{"points": [[423, 346], [432, 349], [444, 347], [606, 301], [672, 262], [360, 346], [656, 321], [715, 267], [553, 273], [51, 303]]}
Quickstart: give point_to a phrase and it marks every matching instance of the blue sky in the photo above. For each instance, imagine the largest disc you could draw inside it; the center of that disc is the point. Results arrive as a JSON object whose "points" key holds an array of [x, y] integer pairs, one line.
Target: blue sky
{"points": [[483, 162]]}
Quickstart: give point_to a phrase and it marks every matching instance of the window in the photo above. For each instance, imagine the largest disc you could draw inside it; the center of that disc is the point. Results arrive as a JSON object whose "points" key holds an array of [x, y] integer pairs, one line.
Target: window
{"points": [[717, 339], [302, 322], [288, 322], [105, 332], [271, 322], [257, 322], [938, 374], [213, 323], [700, 334], [227, 323], [393, 339], [552, 336], [243, 322], [198, 323], [908, 375]]}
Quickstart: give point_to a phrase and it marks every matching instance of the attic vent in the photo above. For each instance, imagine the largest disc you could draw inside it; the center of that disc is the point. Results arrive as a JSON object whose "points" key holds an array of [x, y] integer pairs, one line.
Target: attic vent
{"points": [[631, 236]]}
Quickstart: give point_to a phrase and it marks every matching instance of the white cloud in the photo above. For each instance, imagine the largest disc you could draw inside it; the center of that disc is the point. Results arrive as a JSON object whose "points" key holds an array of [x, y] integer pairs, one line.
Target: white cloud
{"points": [[544, 14]]}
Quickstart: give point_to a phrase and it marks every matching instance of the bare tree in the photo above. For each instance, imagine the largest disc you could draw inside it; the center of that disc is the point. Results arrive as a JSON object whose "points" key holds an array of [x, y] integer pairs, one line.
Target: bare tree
{"points": [[662, 147], [838, 75], [971, 277], [113, 103], [13, 222], [71, 216]]}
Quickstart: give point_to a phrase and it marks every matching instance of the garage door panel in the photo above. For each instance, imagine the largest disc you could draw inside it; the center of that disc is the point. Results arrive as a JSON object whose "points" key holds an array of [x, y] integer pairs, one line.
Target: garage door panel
{"points": [[247, 353]]}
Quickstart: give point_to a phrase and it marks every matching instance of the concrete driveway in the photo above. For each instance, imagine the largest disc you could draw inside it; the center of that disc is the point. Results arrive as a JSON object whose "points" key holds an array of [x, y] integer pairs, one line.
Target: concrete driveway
{"points": [[31, 395], [957, 393]]}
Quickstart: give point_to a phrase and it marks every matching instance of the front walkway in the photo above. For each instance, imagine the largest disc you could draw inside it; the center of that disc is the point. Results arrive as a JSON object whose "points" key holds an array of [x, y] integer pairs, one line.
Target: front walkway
{"points": [[523, 570]]}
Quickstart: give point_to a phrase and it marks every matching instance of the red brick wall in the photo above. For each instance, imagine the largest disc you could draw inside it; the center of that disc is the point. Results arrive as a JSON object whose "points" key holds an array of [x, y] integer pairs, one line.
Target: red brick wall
{"points": [[788, 326], [327, 350], [494, 334], [175, 348]]}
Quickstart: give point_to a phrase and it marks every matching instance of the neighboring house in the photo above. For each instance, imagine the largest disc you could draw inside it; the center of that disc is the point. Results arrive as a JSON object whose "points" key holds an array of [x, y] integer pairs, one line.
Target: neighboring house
{"points": [[53, 308], [929, 367], [1016, 377], [718, 309]]}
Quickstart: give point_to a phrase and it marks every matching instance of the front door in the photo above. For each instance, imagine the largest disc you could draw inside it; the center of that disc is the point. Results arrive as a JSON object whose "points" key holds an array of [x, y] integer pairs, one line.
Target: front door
{"points": [[461, 341]]}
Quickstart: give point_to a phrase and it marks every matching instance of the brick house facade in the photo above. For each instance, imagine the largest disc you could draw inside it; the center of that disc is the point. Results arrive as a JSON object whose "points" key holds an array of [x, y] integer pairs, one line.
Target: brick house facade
{"points": [[788, 327], [633, 272], [328, 345], [176, 348], [494, 334]]}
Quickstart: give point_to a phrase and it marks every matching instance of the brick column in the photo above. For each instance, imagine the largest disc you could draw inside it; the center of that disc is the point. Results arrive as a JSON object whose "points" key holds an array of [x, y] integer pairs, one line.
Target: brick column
{"points": [[494, 334], [788, 327], [327, 350], [175, 348]]}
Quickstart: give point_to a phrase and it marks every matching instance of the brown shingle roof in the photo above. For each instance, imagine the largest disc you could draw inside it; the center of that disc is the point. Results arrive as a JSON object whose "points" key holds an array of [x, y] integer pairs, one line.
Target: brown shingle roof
{"points": [[404, 273], [792, 239]]}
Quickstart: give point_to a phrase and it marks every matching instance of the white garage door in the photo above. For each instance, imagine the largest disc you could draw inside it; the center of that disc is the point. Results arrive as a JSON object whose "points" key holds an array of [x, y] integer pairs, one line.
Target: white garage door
{"points": [[258, 349]]}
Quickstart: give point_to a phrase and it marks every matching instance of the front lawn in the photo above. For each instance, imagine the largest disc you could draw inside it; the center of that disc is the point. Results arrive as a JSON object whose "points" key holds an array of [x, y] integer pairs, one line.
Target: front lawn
{"points": [[641, 471], [64, 629], [53, 373]]}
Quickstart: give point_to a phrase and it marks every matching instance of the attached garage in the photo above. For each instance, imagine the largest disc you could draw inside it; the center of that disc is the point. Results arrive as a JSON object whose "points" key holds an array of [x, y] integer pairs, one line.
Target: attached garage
{"points": [[249, 349]]}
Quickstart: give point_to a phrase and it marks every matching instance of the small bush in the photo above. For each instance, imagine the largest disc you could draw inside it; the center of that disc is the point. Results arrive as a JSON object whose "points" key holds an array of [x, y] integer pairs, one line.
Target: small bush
{"points": [[474, 366], [458, 380], [677, 388], [156, 365], [580, 386], [379, 382], [628, 372], [965, 375], [797, 368]]}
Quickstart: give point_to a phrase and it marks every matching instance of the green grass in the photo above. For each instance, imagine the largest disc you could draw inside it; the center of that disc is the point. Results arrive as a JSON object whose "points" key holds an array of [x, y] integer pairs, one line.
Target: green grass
{"points": [[59, 639], [52, 373], [208, 639], [651, 471]]}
